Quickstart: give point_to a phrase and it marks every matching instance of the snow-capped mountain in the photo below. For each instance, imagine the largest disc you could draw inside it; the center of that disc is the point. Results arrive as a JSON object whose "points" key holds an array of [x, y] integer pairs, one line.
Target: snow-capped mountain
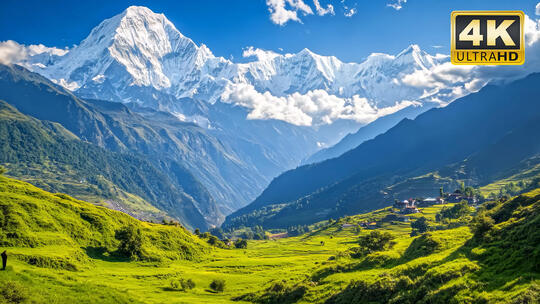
{"points": [[139, 55], [268, 113]]}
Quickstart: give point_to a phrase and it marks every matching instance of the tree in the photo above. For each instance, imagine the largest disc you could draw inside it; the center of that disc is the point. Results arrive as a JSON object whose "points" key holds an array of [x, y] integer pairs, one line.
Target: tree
{"points": [[217, 285], [131, 240], [481, 224], [240, 244], [419, 226], [375, 241], [197, 232], [469, 191], [182, 284], [457, 211], [213, 240], [217, 232], [441, 192]]}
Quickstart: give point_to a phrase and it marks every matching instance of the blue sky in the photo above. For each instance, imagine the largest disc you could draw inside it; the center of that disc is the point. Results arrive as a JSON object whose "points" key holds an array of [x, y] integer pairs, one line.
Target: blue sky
{"points": [[227, 27]]}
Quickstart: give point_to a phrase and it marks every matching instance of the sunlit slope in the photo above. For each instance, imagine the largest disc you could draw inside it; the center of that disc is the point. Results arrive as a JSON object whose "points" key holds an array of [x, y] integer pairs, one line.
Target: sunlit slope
{"points": [[72, 229]]}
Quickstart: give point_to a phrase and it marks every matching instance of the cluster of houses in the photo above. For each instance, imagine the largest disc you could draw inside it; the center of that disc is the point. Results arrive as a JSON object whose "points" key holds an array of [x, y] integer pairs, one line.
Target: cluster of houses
{"points": [[457, 197], [410, 206]]}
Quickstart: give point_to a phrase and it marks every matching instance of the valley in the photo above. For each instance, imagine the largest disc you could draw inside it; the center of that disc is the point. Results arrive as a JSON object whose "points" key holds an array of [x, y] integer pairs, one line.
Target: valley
{"points": [[139, 165], [48, 263]]}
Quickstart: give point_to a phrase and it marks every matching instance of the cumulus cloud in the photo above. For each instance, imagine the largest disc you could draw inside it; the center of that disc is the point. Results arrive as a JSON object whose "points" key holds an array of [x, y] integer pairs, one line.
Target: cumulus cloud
{"points": [[445, 82], [537, 9], [260, 54], [283, 11], [350, 12], [314, 108], [397, 4], [321, 11], [13, 52]]}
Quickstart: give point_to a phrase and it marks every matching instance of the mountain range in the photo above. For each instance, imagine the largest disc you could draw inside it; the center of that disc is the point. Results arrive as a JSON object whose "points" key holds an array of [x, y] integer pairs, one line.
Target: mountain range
{"points": [[219, 130], [479, 138]]}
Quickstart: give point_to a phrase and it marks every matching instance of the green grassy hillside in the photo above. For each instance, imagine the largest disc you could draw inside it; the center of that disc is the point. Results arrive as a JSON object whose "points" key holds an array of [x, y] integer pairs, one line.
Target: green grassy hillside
{"points": [[38, 220], [63, 250], [48, 155]]}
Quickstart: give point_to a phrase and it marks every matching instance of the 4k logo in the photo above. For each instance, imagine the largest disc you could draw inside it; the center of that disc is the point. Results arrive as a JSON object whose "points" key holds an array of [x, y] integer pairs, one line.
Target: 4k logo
{"points": [[487, 37]]}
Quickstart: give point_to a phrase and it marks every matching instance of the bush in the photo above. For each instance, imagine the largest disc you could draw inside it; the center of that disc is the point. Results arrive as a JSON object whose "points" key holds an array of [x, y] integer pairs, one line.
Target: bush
{"points": [[375, 241], [457, 211], [213, 240], [217, 285], [419, 226], [240, 244], [481, 225], [182, 284], [421, 246], [12, 292], [2, 170], [131, 240], [277, 293]]}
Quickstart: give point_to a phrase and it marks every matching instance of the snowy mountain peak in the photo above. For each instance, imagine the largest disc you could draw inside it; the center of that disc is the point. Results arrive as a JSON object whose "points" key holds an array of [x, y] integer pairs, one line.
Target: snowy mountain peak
{"points": [[413, 55], [139, 56]]}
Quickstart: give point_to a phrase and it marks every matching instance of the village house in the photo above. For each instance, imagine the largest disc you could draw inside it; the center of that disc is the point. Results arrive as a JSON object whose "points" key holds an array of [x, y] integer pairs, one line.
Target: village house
{"points": [[409, 210], [404, 203], [430, 201], [407, 206], [457, 197]]}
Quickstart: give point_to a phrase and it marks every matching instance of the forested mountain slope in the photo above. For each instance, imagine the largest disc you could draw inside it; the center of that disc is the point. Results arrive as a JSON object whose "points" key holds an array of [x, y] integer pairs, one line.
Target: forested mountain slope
{"points": [[51, 157], [441, 138]]}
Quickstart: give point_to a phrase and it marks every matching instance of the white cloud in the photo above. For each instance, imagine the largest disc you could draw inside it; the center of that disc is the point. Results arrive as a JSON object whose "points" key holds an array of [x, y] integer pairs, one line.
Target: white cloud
{"points": [[397, 4], [537, 8], [447, 81], [283, 11], [262, 55], [321, 11], [314, 108], [13, 52], [350, 13]]}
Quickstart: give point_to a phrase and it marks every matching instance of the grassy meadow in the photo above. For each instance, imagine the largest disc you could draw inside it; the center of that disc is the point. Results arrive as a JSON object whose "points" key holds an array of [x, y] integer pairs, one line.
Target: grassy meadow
{"points": [[62, 250]]}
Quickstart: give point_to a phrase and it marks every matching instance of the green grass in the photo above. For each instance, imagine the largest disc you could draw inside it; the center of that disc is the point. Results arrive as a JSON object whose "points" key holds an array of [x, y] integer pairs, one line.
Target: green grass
{"points": [[62, 251], [525, 177]]}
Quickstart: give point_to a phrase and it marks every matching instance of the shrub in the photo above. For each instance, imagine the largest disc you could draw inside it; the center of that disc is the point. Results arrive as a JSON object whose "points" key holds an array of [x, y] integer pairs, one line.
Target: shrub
{"points": [[240, 244], [12, 292], [182, 284], [375, 241], [480, 225], [217, 285], [457, 211], [419, 226], [131, 240], [421, 246], [277, 293], [213, 240]]}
